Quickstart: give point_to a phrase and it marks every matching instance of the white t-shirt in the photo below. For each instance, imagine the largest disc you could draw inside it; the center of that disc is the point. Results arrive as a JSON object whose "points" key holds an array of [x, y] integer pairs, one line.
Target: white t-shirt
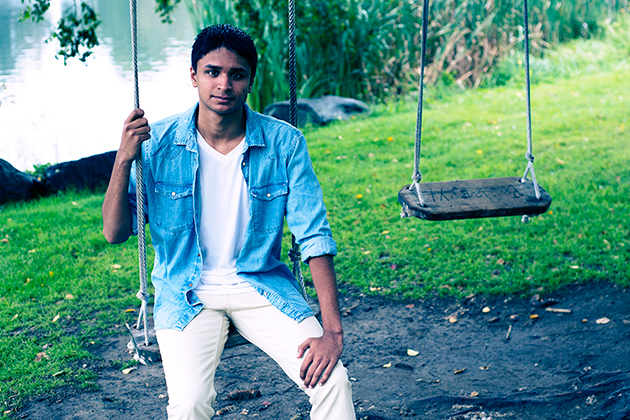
{"points": [[224, 214]]}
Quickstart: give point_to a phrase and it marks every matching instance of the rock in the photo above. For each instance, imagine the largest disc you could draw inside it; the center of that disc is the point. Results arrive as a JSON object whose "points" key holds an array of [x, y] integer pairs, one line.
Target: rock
{"points": [[318, 111], [16, 185], [90, 172]]}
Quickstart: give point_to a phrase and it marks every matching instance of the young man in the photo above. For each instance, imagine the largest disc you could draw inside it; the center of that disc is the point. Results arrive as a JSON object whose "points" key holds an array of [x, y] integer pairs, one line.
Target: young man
{"points": [[220, 180]]}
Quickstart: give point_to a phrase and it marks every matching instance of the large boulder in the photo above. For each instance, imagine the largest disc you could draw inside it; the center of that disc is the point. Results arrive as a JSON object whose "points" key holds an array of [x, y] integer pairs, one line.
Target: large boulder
{"points": [[16, 185], [90, 172], [319, 111]]}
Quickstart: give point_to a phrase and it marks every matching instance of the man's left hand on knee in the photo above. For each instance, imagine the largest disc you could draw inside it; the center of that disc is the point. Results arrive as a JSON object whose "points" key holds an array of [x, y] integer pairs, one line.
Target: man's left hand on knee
{"points": [[322, 357]]}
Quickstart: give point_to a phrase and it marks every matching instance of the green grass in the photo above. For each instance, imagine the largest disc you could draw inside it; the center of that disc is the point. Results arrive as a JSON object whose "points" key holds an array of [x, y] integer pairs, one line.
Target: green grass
{"points": [[61, 293], [580, 131], [64, 289]]}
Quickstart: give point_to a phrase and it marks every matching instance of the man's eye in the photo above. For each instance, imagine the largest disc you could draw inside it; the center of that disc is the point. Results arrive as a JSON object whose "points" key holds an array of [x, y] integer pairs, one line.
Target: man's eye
{"points": [[237, 76]]}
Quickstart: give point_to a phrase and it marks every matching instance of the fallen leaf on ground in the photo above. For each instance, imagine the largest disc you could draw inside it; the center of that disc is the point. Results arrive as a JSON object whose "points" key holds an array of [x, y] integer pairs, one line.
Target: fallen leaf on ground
{"points": [[484, 367], [533, 316], [128, 370], [452, 319], [603, 320], [40, 356], [409, 306], [458, 371], [56, 318], [116, 266], [69, 297], [474, 394], [387, 365], [558, 310], [485, 310], [412, 353]]}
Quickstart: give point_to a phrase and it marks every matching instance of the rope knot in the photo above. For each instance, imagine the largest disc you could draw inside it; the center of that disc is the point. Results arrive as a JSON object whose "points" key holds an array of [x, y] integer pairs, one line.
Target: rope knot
{"points": [[416, 177], [142, 296], [295, 254], [529, 157]]}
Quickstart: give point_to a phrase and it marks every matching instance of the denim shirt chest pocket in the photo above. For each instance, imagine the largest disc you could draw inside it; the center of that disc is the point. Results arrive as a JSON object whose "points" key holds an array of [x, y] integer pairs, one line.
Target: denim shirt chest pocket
{"points": [[268, 206], [174, 207]]}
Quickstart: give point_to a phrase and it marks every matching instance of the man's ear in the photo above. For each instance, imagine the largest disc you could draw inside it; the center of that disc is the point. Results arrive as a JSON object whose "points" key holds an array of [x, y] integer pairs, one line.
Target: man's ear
{"points": [[193, 76]]}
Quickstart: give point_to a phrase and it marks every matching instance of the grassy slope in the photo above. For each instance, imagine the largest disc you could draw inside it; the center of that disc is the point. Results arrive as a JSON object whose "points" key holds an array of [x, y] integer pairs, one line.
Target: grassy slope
{"points": [[581, 148], [63, 287]]}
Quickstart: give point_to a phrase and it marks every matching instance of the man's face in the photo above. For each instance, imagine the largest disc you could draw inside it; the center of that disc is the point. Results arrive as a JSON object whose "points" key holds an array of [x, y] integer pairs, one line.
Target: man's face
{"points": [[222, 80]]}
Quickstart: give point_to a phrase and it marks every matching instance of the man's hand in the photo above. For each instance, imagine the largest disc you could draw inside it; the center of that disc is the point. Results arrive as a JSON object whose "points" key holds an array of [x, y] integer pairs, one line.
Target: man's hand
{"points": [[323, 352], [322, 357], [116, 213], [135, 131]]}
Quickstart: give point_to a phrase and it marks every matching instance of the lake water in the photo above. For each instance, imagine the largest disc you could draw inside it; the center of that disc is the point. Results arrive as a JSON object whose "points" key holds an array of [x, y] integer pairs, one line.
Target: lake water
{"points": [[52, 113]]}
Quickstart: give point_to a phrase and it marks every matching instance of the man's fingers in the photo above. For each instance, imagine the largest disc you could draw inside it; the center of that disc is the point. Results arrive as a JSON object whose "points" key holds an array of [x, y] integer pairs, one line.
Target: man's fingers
{"points": [[303, 347], [327, 373], [135, 114], [306, 364]]}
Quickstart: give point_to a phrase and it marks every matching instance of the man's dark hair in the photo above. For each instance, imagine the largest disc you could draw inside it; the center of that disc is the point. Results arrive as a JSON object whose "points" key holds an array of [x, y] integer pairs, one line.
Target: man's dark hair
{"points": [[226, 36]]}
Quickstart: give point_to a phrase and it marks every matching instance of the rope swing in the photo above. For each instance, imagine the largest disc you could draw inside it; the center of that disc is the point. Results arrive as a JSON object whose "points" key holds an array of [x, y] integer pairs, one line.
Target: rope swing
{"points": [[475, 198], [146, 354]]}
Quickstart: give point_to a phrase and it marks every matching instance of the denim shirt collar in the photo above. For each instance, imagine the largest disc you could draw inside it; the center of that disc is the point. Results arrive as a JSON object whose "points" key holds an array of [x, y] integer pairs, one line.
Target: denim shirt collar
{"points": [[186, 134]]}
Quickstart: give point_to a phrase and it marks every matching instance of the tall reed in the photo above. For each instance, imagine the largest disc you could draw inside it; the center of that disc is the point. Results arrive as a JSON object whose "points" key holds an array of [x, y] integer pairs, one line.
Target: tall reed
{"points": [[370, 49]]}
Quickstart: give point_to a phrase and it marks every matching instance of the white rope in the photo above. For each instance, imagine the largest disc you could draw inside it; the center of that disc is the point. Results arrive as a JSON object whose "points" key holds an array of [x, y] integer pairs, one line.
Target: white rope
{"points": [[417, 175], [529, 155], [142, 251]]}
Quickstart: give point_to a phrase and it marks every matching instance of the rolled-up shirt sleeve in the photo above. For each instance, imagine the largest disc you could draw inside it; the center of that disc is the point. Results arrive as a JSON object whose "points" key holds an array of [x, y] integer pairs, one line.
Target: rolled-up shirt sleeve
{"points": [[306, 212]]}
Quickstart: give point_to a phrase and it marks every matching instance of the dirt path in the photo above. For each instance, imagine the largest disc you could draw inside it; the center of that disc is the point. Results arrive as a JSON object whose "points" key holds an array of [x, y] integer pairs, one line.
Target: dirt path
{"points": [[553, 365]]}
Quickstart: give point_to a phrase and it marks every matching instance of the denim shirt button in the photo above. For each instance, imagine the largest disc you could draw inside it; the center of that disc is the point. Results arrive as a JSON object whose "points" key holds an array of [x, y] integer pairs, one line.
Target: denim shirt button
{"points": [[268, 195]]}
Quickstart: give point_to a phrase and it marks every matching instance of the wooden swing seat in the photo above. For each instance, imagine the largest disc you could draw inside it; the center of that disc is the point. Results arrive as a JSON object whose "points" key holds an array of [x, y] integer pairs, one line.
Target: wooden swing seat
{"points": [[474, 199]]}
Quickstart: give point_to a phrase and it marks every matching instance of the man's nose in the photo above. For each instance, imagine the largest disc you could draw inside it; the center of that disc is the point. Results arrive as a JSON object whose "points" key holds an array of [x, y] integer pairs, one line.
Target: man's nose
{"points": [[224, 82]]}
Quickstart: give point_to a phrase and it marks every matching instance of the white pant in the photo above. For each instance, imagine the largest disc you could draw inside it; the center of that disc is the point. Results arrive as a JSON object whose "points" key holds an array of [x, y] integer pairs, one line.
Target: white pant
{"points": [[190, 357]]}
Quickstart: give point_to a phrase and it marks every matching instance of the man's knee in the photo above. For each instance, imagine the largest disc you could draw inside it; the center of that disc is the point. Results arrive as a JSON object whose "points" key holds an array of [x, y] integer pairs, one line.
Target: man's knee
{"points": [[192, 406], [338, 382]]}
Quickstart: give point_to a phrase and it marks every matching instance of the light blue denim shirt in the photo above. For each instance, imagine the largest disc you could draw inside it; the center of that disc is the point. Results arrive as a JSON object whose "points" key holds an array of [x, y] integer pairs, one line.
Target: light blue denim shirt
{"points": [[281, 183]]}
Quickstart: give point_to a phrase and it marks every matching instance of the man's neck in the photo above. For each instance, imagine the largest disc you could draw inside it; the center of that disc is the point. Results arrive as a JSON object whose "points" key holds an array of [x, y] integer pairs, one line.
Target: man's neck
{"points": [[222, 132]]}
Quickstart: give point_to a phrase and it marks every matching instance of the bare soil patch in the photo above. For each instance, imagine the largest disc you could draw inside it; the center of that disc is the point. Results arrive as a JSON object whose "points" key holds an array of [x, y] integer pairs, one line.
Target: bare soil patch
{"points": [[568, 364]]}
